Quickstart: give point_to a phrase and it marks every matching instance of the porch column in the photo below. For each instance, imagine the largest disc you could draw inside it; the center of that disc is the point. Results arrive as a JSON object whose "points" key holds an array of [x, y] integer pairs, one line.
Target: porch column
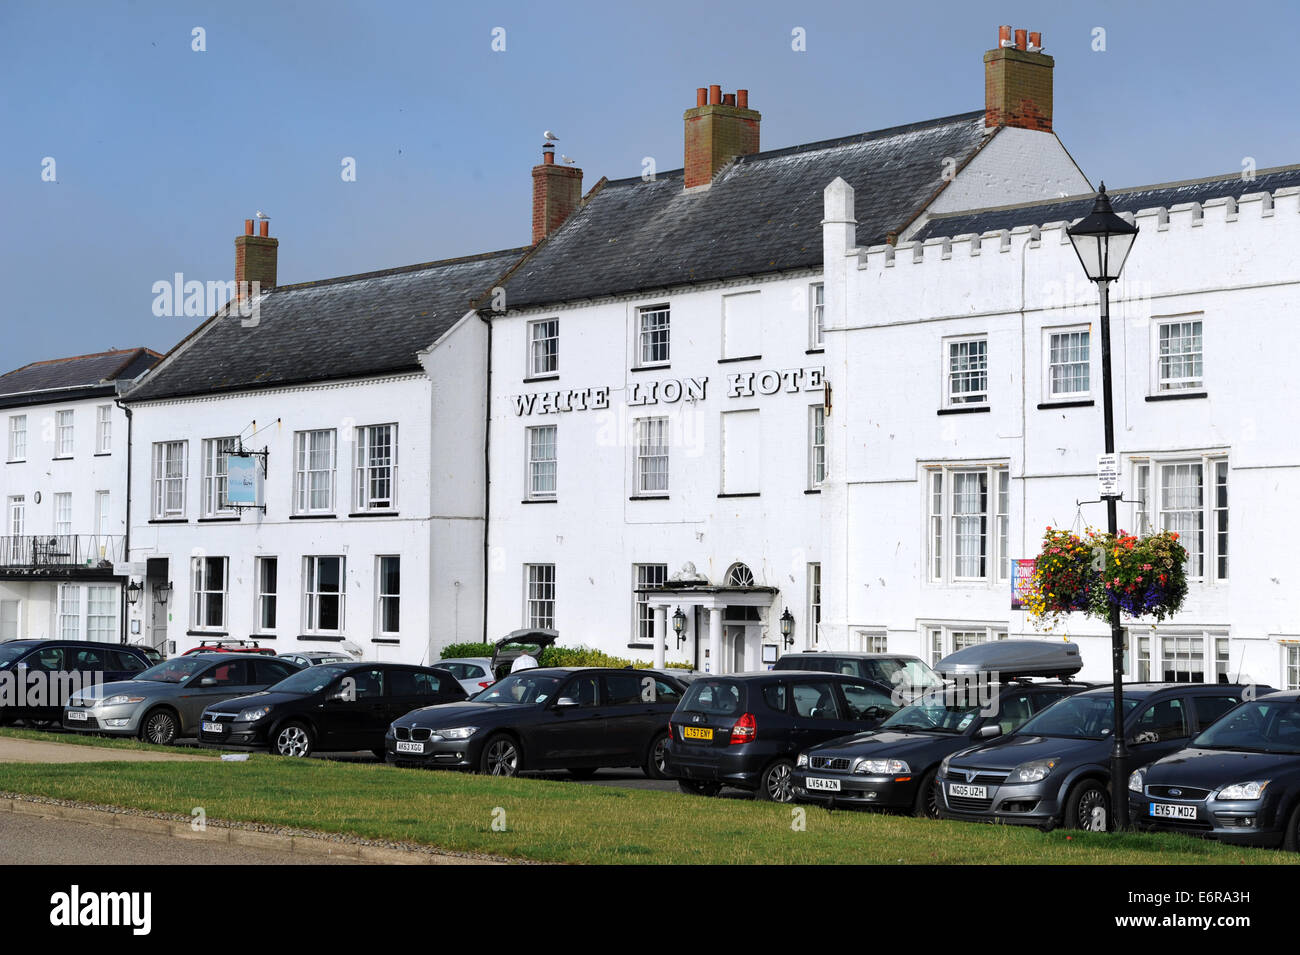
{"points": [[715, 640], [661, 634]]}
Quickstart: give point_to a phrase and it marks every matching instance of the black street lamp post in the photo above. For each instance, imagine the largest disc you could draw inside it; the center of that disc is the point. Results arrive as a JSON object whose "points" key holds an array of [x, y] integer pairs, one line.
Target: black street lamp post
{"points": [[1102, 241]]}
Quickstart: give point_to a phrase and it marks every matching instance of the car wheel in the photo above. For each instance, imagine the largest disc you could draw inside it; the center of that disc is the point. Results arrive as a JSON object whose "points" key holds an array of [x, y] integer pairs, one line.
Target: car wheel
{"points": [[159, 727], [776, 783], [927, 799], [696, 787], [1088, 807], [293, 739], [582, 772], [1291, 840], [501, 757], [654, 764]]}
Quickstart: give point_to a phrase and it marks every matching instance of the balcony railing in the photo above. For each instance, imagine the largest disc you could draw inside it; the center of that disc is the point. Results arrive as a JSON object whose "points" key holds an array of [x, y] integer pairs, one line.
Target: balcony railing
{"points": [[62, 550]]}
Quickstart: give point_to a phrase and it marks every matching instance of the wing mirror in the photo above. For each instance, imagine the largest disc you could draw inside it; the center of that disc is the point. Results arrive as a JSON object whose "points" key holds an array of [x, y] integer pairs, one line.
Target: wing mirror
{"points": [[565, 702], [988, 731], [208, 681]]}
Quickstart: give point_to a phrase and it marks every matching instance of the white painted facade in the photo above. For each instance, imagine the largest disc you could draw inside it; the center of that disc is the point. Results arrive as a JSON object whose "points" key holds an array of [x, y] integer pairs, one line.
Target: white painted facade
{"points": [[432, 522], [893, 314], [740, 487], [63, 493]]}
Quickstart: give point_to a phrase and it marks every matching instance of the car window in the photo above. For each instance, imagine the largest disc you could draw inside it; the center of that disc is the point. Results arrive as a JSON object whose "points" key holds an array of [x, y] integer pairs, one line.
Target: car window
{"points": [[665, 692], [1210, 708], [87, 658], [714, 697], [401, 683], [775, 696], [459, 670], [366, 684], [271, 671], [125, 662], [1161, 721], [867, 702], [815, 700], [583, 689], [233, 673], [1013, 710], [426, 684], [622, 689], [1045, 698], [45, 658]]}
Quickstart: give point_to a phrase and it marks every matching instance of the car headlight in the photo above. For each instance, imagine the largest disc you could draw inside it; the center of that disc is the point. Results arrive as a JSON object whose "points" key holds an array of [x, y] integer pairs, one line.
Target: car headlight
{"points": [[1251, 790], [802, 760], [457, 732], [943, 766], [252, 714], [1032, 771], [1137, 780], [880, 767], [120, 700]]}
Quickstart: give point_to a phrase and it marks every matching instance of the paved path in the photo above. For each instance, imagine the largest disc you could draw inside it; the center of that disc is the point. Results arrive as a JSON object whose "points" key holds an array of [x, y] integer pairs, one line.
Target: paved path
{"points": [[31, 751], [33, 840]]}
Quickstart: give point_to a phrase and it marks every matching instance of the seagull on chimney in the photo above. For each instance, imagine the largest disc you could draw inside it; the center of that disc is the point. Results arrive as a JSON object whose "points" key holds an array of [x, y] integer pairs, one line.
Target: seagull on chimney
{"points": [[262, 215], [547, 134], [567, 160]]}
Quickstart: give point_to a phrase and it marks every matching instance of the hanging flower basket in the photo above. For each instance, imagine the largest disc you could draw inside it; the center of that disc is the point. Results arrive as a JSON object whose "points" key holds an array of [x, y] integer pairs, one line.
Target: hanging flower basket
{"points": [[1092, 573]]}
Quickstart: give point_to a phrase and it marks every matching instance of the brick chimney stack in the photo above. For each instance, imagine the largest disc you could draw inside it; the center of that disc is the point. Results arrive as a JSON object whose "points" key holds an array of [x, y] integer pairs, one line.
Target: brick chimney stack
{"points": [[1018, 82], [557, 190], [255, 258], [718, 129]]}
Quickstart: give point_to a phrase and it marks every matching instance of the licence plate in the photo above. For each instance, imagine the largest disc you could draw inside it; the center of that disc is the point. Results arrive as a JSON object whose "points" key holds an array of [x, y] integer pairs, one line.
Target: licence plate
{"points": [[968, 792], [830, 785], [212, 728], [77, 715], [1167, 811], [696, 732], [407, 747]]}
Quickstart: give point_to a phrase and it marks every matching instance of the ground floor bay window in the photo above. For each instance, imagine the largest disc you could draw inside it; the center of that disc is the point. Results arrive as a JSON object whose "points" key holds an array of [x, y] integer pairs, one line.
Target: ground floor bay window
{"points": [[88, 612], [1183, 656], [968, 508]]}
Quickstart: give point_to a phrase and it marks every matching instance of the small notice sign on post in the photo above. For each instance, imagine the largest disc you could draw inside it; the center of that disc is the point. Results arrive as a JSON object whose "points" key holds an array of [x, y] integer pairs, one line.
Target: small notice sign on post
{"points": [[1108, 475]]}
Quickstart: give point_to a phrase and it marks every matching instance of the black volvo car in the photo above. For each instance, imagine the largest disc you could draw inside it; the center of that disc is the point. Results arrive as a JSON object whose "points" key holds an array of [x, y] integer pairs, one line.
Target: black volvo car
{"points": [[578, 719], [746, 729], [1238, 782], [1055, 769], [333, 707]]}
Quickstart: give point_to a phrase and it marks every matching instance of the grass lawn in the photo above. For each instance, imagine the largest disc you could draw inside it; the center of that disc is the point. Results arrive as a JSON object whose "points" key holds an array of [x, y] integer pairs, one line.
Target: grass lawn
{"points": [[555, 821]]}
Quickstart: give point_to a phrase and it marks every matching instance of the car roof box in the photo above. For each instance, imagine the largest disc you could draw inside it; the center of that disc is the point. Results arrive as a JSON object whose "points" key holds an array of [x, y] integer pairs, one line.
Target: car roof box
{"points": [[1013, 659]]}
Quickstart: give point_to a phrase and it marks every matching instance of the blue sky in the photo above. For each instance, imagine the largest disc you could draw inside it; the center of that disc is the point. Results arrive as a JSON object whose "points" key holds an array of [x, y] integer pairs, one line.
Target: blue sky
{"points": [[161, 152]]}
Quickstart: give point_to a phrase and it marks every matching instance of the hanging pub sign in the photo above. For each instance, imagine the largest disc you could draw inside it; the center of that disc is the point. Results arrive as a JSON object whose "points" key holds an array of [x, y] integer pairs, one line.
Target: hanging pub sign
{"points": [[1022, 575], [243, 480]]}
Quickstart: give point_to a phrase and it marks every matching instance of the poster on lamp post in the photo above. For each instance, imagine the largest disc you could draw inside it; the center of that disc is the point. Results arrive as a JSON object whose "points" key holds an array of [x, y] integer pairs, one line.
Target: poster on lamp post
{"points": [[1022, 572]]}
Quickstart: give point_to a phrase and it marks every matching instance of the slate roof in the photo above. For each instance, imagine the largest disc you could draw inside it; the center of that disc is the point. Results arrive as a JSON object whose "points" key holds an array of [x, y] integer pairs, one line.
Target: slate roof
{"points": [[1134, 199], [348, 327], [762, 213], [97, 373]]}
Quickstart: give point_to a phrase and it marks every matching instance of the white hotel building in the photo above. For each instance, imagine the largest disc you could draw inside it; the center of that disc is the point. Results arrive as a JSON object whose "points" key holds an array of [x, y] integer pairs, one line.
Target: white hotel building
{"points": [[968, 417], [657, 394]]}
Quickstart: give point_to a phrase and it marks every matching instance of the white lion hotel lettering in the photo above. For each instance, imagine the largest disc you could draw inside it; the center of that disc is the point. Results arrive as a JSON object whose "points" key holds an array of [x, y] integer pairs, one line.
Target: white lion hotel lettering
{"points": [[671, 390]]}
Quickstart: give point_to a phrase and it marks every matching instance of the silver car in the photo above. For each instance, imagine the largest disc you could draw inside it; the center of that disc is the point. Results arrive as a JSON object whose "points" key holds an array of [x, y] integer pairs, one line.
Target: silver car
{"points": [[166, 701], [473, 673]]}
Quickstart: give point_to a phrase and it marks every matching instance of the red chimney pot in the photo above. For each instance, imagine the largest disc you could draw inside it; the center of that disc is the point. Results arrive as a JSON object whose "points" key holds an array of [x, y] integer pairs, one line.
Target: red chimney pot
{"points": [[729, 99], [742, 99], [1004, 35], [701, 96], [1036, 39], [265, 230], [715, 95], [1020, 39], [248, 227]]}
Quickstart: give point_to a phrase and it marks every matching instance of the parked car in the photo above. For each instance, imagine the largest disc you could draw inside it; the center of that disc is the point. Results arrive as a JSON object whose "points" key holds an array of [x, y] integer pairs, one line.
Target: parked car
{"points": [[746, 729], [68, 666], [314, 658], [894, 766], [911, 676], [333, 707], [166, 701], [153, 654], [514, 644], [577, 719], [1055, 769], [1237, 782], [230, 646], [474, 673]]}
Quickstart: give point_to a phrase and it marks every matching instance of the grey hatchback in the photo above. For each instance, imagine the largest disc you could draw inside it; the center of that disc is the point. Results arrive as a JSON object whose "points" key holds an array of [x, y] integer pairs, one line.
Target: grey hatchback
{"points": [[166, 701]]}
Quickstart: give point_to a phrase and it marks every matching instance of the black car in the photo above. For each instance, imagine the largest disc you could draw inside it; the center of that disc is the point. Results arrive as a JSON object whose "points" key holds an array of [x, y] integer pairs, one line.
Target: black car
{"points": [[333, 707], [894, 766], [37, 677], [1055, 769], [1238, 782], [552, 718], [745, 729], [909, 676]]}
